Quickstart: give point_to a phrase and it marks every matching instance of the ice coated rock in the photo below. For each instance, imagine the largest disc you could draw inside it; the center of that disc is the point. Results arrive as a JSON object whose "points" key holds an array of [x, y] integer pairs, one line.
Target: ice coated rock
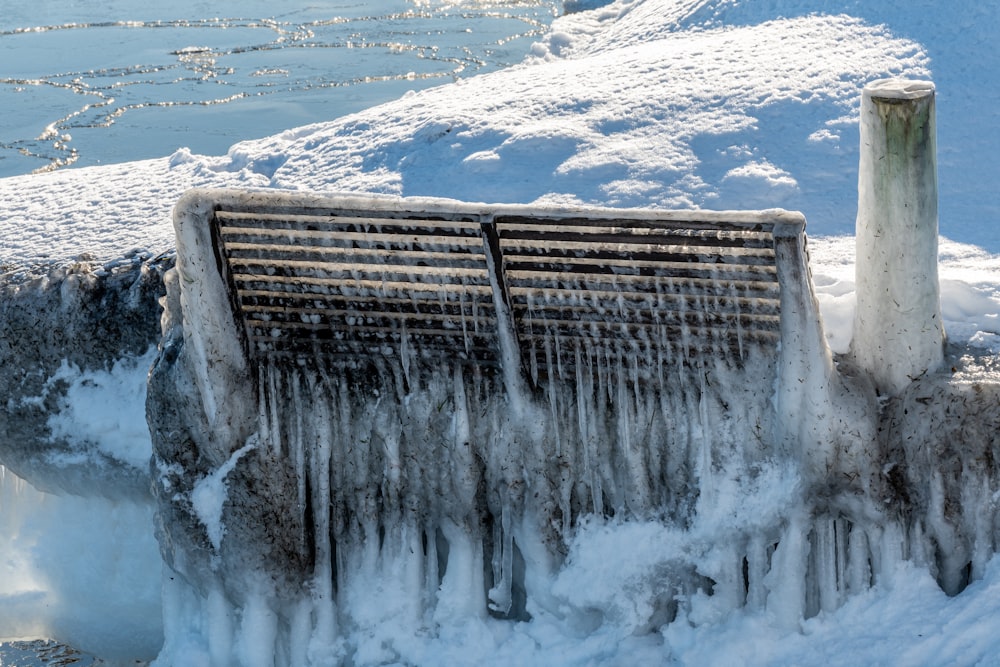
{"points": [[57, 324]]}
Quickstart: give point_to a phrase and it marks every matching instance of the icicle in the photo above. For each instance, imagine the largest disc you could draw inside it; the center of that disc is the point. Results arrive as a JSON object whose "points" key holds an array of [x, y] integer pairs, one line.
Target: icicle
{"points": [[273, 401], [560, 372], [461, 593], [552, 394], [263, 410], [859, 570], [734, 296], [706, 482], [636, 484], [220, 625], [888, 549], [405, 353], [787, 579], [584, 417], [319, 483], [758, 563], [500, 595], [461, 309], [409, 565], [978, 495], [258, 634], [432, 567], [825, 557], [296, 439]]}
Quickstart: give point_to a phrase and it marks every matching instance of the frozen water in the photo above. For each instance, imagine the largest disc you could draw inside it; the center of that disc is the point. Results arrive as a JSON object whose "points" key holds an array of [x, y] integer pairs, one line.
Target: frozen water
{"points": [[190, 74], [447, 494], [46, 539]]}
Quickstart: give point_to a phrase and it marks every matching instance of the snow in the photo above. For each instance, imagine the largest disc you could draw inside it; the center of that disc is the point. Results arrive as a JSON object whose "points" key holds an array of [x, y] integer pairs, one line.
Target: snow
{"points": [[210, 493], [83, 415], [715, 104], [561, 130]]}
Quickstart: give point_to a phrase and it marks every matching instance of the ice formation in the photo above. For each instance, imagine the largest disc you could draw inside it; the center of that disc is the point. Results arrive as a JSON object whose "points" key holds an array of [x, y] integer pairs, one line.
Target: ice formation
{"points": [[64, 329], [413, 491], [789, 532], [322, 511]]}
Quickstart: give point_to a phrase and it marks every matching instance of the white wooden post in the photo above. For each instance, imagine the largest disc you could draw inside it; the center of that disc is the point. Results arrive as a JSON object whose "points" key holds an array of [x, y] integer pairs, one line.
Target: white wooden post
{"points": [[898, 333]]}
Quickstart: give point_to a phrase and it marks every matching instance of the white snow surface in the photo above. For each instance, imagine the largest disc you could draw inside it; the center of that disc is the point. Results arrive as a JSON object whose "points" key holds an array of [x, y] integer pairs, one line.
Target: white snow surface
{"points": [[106, 407], [210, 494], [662, 103]]}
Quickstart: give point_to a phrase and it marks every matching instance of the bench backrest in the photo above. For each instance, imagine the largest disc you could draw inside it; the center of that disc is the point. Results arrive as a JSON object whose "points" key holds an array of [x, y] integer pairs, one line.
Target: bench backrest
{"points": [[340, 280]]}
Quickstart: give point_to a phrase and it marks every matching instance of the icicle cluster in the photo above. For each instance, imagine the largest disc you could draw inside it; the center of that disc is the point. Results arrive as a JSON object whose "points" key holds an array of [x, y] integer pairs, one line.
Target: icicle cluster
{"points": [[424, 491]]}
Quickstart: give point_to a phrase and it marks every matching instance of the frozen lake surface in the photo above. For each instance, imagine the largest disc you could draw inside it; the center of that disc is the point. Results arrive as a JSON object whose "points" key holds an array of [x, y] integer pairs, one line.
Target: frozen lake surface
{"points": [[87, 84]]}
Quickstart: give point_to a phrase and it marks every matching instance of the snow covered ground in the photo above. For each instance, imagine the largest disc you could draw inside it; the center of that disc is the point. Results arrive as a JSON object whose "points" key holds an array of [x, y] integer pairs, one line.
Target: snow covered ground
{"points": [[663, 103]]}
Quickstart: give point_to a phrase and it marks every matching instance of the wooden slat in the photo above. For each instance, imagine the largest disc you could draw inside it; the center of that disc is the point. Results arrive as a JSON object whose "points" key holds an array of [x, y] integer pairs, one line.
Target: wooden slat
{"points": [[730, 300], [627, 265], [634, 222], [338, 318], [624, 237], [538, 288], [323, 286], [646, 252], [334, 278], [336, 223], [454, 304]]}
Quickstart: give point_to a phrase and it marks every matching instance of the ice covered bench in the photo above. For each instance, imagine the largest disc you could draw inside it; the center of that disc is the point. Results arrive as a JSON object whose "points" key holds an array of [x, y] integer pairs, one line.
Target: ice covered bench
{"points": [[409, 382], [343, 280]]}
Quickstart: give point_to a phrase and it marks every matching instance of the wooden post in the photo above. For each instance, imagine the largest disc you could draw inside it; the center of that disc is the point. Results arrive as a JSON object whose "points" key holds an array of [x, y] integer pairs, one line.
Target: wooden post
{"points": [[898, 333]]}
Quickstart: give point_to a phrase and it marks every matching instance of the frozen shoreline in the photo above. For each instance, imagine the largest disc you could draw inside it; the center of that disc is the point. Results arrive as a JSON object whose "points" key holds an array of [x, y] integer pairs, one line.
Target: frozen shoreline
{"points": [[216, 73]]}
